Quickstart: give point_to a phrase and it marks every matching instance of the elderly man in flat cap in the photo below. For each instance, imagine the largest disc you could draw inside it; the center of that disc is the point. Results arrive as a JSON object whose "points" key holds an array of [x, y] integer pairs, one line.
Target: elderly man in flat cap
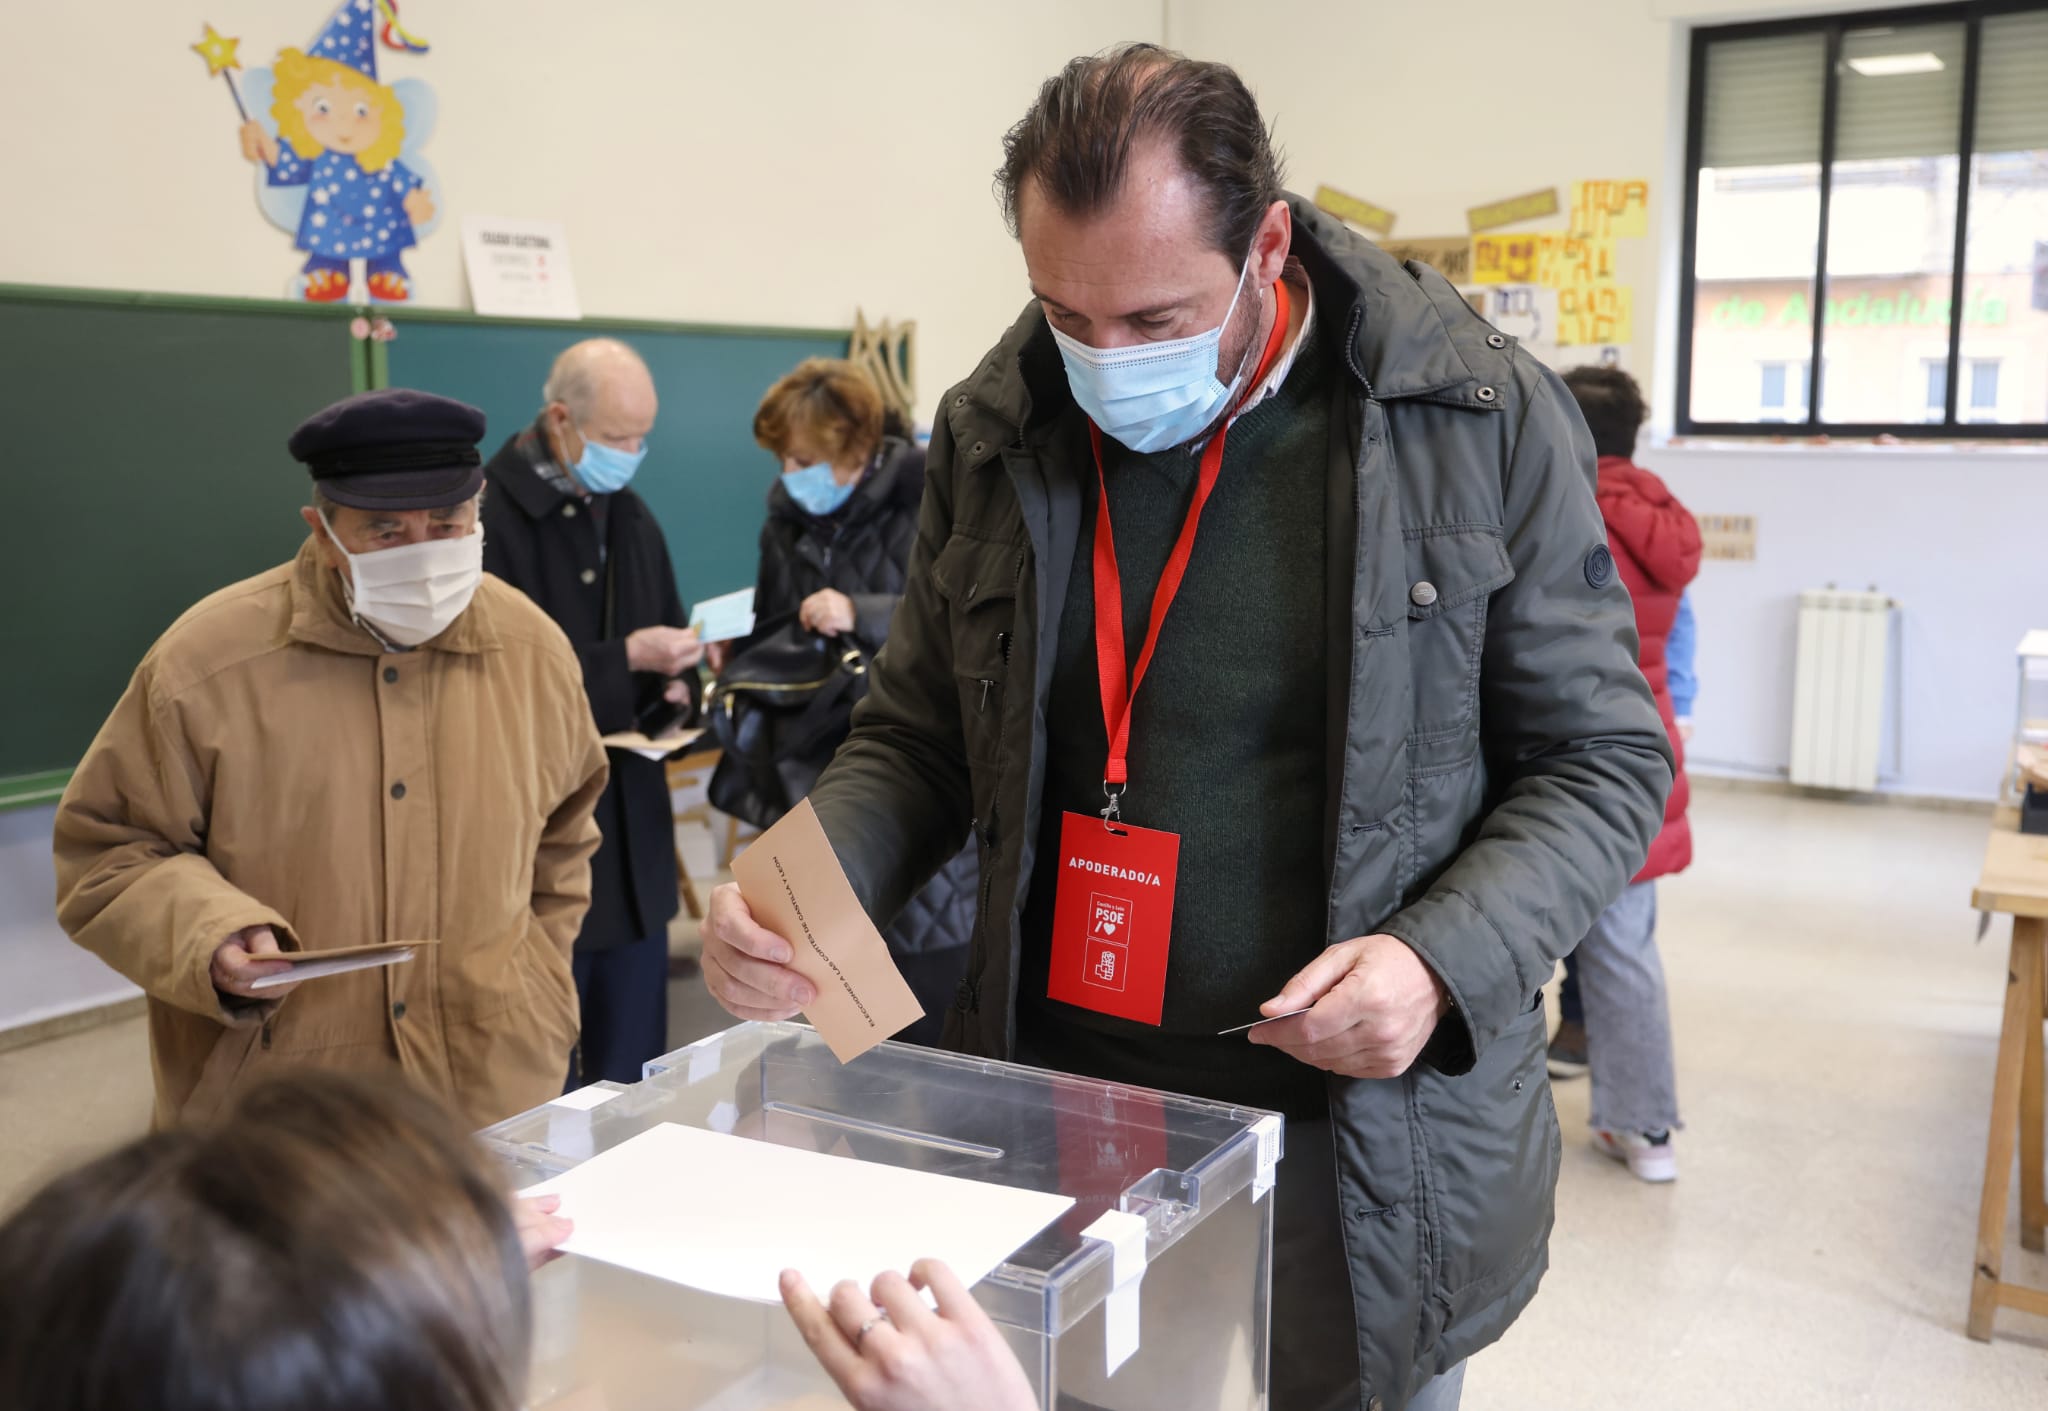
{"points": [[375, 742]]}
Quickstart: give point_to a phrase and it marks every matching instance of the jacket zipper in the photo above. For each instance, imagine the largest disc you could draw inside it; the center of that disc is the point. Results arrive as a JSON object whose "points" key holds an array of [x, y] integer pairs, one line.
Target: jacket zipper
{"points": [[1351, 351], [977, 951]]}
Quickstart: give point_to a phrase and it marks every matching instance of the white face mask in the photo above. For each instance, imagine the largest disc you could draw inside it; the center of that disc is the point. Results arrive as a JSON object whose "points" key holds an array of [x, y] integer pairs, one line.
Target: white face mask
{"points": [[413, 592]]}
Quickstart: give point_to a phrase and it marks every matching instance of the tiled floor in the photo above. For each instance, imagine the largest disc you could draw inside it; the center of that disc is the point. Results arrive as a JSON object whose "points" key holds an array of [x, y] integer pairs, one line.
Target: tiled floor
{"points": [[1835, 1021]]}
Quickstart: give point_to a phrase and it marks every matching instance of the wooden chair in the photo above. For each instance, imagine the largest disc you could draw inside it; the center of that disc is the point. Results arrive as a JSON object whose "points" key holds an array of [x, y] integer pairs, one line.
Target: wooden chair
{"points": [[687, 771]]}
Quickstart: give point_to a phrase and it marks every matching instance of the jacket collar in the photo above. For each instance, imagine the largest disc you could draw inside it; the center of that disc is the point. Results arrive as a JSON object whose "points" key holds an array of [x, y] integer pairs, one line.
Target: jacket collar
{"points": [[1401, 332], [321, 618], [515, 473]]}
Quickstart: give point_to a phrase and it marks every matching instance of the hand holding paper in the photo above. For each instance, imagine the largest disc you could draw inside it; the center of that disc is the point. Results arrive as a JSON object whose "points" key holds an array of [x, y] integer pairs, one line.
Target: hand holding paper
{"points": [[301, 965], [1372, 1005], [792, 936]]}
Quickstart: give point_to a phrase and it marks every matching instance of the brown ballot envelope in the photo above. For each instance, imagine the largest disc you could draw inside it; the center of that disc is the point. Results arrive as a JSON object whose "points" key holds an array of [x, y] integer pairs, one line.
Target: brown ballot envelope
{"points": [[312, 964], [796, 888]]}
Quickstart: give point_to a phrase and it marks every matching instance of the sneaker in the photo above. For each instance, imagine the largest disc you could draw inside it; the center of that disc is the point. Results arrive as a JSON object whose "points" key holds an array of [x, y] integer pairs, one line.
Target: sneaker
{"points": [[1567, 1056], [1648, 1155]]}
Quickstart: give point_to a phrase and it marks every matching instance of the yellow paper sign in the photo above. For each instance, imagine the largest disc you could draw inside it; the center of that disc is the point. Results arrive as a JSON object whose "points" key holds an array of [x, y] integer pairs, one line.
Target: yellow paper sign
{"points": [[1363, 214], [1548, 257], [1534, 205], [1604, 209], [1595, 315]]}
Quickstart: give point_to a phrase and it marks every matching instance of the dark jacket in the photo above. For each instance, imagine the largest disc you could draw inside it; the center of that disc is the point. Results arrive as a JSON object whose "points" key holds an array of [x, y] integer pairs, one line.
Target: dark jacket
{"points": [[1656, 544], [545, 544], [1497, 763], [863, 550]]}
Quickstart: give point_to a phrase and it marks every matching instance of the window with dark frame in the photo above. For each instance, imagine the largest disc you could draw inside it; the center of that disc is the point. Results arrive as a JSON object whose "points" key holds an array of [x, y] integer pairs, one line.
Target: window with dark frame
{"points": [[1866, 231]]}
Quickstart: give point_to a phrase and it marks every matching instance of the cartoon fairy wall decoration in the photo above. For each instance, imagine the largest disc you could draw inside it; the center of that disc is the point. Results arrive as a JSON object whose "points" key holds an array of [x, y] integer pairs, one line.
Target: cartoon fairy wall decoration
{"points": [[337, 151]]}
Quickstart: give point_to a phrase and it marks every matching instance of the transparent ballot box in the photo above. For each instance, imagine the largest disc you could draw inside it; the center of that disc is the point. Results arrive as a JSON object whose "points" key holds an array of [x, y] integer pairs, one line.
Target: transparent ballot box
{"points": [[1168, 1314]]}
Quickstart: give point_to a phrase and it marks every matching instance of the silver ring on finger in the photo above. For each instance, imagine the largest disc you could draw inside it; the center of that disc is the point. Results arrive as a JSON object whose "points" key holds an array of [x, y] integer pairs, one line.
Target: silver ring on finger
{"points": [[869, 1326]]}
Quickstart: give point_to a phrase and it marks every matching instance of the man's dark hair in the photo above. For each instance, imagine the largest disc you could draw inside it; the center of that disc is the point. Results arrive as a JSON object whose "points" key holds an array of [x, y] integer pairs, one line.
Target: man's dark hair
{"points": [[1613, 406], [1076, 141]]}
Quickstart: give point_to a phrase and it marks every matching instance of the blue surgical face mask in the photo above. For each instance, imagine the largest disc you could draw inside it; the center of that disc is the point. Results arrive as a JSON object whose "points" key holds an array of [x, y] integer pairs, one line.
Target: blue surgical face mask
{"points": [[815, 490], [604, 469], [1151, 396]]}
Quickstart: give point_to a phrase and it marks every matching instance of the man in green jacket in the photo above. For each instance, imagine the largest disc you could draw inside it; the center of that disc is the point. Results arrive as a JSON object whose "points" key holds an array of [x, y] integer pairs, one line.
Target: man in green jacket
{"points": [[1262, 630]]}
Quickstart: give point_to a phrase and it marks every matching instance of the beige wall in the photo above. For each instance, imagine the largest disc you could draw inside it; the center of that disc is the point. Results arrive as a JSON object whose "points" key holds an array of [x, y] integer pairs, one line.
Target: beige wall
{"points": [[738, 163], [1428, 120]]}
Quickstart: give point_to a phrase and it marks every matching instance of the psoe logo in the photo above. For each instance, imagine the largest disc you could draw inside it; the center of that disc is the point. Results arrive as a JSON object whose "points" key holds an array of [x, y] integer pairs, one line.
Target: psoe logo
{"points": [[1108, 954], [1109, 919], [1107, 966]]}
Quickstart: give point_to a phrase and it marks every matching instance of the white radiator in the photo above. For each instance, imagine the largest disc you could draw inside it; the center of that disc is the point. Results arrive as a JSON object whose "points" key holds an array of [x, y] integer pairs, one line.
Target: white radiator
{"points": [[1838, 688]]}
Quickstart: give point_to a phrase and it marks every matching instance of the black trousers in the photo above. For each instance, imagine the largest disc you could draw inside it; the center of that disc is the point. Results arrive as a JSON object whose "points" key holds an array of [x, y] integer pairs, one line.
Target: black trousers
{"points": [[1315, 1330], [624, 993]]}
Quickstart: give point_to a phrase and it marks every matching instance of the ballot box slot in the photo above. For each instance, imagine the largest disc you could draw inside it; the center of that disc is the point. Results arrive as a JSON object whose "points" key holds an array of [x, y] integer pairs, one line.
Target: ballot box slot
{"points": [[924, 1140]]}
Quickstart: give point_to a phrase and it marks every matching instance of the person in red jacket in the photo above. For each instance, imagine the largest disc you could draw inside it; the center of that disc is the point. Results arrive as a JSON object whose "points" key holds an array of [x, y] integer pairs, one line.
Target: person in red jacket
{"points": [[1654, 544]]}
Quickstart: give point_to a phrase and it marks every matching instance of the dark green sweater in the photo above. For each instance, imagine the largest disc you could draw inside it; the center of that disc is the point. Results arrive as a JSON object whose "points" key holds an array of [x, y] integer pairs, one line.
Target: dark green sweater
{"points": [[1227, 750]]}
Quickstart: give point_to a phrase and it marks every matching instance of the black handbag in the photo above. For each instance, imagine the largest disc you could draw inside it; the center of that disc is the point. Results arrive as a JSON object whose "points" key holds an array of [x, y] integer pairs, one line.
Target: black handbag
{"points": [[778, 711]]}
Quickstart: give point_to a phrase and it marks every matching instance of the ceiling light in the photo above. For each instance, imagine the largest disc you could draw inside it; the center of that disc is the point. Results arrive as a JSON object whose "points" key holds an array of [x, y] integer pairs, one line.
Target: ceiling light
{"points": [[1889, 65]]}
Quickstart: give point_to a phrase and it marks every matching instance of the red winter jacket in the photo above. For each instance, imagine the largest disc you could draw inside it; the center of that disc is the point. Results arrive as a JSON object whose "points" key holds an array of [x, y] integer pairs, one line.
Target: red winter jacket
{"points": [[1656, 546]]}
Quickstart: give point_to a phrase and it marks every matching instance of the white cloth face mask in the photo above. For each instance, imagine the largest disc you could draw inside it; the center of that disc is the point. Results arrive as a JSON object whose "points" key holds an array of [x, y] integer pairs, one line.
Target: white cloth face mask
{"points": [[414, 592]]}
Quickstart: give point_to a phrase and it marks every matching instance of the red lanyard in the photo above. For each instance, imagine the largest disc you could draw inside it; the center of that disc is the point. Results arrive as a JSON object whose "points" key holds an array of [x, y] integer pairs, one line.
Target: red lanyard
{"points": [[1110, 663]]}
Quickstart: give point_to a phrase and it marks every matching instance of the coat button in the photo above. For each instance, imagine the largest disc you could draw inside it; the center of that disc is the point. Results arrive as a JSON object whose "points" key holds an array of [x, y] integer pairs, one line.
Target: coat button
{"points": [[1423, 594], [1485, 394], [390, 674], [568, 511], [589, 575], [398, 1010], [398, 790], [1494, 340]]}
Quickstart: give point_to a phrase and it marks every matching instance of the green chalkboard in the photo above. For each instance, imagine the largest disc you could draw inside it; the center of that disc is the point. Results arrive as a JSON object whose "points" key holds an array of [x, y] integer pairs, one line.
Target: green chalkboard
{"points": [[146, 467], [704, 478]]}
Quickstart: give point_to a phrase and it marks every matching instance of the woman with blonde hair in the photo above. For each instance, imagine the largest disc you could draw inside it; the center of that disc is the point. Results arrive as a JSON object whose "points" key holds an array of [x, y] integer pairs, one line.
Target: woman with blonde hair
{"points": [[342, 132]]}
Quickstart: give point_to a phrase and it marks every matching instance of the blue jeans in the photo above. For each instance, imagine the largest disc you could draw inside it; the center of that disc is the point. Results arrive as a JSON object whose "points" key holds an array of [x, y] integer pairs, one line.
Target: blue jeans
{"points": [[1628, 1017], [1441, 1393]]}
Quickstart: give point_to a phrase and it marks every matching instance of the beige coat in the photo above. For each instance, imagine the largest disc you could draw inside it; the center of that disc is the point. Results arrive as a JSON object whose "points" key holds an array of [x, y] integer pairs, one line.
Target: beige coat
{"points": [[271, 764]]}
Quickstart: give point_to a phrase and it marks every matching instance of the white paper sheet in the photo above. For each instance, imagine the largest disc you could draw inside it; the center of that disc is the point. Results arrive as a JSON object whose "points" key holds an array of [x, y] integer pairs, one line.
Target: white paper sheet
{"points": [[728, 1214], [648, 748], [726, 617], [314, 969]]}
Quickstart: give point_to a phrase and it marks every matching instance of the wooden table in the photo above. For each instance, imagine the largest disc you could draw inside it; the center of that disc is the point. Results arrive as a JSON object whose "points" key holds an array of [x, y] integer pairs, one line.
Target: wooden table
{"points": [[2015, 882]]}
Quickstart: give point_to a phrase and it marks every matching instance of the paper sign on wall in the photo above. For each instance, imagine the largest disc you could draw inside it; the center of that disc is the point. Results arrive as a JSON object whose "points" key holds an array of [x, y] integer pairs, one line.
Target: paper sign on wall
{"points": [[1554, 258], [1598, 313], [1363, 214], [519, 268], [1532, 206], [1606, 209], [1728, 536], [1525, 312], [1449, 255]]}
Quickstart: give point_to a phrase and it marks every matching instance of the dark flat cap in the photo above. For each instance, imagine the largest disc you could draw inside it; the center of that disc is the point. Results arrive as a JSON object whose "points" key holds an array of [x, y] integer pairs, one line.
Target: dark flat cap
{"points": [[393, 450]]}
